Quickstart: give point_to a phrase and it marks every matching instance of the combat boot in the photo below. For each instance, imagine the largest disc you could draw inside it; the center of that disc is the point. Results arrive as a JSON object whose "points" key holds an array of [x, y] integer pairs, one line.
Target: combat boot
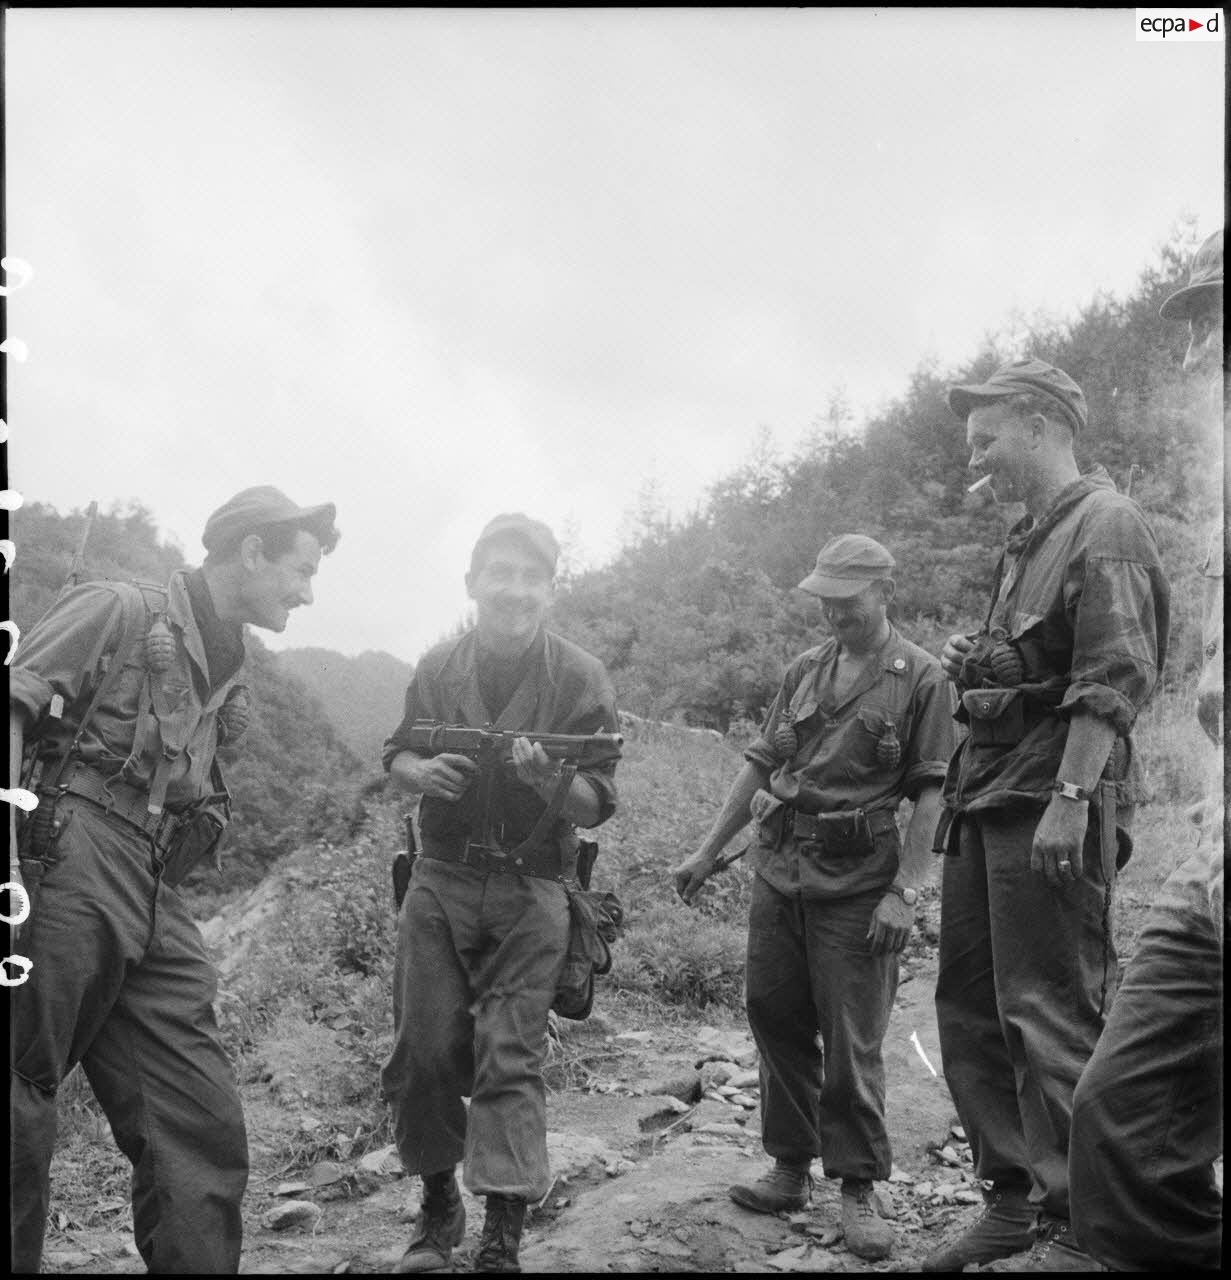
{"points": [[785, 1188], [867, 1234], [439, 1227], [1055, 1249], [1005, 1227], [501, 1234]]}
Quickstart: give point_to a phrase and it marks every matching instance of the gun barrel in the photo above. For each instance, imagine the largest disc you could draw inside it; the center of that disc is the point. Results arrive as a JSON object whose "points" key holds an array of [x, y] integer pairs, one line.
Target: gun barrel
{"points": [[563, 744], [429, 737], [77, 569]]}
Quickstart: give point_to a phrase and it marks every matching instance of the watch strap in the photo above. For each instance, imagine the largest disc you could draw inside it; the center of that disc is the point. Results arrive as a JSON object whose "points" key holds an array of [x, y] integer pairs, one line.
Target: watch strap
{"points": [[1070, 790]]}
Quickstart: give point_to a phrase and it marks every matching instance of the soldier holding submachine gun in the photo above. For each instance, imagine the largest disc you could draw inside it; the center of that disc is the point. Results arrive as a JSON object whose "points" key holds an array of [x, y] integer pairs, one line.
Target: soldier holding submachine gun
{"points": [[509, 738]]}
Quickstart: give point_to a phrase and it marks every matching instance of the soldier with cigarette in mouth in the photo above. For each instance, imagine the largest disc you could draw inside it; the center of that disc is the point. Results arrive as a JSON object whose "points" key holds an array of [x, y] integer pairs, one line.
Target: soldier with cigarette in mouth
{"points": [[1038, 800]]}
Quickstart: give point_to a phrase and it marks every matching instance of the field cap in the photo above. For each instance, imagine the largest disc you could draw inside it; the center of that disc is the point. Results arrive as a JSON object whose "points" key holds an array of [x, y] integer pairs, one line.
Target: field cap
{"points": [[847, 565], [262, 505], [534, 533], [1205, 276], [1035, 376]]}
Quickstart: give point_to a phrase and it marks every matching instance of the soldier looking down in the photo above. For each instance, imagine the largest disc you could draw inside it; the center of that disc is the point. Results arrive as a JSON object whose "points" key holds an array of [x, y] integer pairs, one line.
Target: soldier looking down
{"points": [[860, 722]]}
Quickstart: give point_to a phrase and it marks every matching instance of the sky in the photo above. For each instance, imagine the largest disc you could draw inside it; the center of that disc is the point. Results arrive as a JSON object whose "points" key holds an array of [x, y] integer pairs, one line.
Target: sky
{"points": [[435, 265]]}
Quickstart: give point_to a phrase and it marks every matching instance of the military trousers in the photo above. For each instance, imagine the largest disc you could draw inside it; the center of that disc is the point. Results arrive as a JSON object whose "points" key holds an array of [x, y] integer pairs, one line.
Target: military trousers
{"points": [[1027, 974], [121, 983], [1147, 1114], [478, 958], [818, 1005]]}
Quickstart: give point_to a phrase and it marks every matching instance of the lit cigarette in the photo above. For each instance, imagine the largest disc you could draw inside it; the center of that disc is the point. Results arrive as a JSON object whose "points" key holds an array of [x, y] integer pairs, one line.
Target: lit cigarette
{"points": [[980, 483]]}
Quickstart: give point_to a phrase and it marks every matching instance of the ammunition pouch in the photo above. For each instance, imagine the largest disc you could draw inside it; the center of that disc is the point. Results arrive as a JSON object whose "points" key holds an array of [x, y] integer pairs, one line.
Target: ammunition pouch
{"points": [[997, 716], [595, 918], [196, 838], [769, 813], [849, 834], [838, 837]]}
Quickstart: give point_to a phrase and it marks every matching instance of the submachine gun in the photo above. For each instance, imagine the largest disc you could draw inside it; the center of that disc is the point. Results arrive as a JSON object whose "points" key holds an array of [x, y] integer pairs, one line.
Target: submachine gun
{"points": [[489, 748]]}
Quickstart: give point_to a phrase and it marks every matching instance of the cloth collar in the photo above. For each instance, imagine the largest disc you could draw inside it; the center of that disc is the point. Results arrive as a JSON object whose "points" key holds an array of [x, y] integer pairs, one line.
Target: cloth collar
{"points": [[222, 643], [500, 678], [1027, 530], [891, 657]]}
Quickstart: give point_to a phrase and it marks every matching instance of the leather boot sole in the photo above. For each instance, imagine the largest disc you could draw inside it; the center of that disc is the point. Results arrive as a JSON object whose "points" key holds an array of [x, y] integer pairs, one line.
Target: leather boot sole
{"points": [[762, 1202]]}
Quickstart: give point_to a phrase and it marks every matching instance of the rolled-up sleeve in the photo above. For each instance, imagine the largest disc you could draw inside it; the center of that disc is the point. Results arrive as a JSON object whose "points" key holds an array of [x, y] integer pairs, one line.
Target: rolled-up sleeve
{"points": [[602, 717], [760, 750], [932, 734], [1120, 621], [61, 652]]}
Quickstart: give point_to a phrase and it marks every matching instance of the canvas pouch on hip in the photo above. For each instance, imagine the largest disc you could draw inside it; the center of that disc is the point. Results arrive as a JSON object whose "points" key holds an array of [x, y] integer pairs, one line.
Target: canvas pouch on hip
{"points": [[769, 813], [997, 716], [595, 919]]}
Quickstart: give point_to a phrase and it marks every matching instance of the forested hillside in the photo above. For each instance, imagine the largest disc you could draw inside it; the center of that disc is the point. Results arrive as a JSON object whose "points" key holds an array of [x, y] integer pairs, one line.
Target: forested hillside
{"points": [[697, 617], [292, 777], [363, 695]]}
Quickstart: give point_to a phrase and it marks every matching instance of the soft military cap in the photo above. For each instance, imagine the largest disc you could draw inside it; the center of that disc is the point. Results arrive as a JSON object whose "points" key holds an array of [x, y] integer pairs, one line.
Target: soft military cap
{"points": [[262, 505], [537, 536], [847, 565], [1205, 277], [1035, 376]]}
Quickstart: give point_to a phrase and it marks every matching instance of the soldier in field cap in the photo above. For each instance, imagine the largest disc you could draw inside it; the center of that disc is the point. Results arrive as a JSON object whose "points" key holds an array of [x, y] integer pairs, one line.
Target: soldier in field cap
{"points": [[125, 692], [861, 722], [1037, 804], [483, 930], [1148, 1113]]}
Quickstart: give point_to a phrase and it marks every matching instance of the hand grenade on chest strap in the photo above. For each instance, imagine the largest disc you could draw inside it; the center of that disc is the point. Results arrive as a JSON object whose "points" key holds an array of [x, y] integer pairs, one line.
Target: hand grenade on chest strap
{"points": [[786, 739]]}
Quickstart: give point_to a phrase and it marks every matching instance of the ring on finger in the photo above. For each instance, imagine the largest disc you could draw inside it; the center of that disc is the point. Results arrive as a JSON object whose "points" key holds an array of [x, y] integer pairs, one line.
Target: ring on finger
{"points": [[1065, 865]]}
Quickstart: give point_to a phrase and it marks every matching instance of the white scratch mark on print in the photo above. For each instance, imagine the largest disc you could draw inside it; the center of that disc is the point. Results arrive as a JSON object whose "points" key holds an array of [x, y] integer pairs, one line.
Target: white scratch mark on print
{"points": [[914, 1039], [21, 271], [15, 633]]}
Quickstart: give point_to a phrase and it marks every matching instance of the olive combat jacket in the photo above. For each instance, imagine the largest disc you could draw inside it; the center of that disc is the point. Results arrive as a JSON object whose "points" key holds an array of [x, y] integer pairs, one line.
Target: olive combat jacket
{"points": [[1083, 599], [839, 766], [143, 720]]}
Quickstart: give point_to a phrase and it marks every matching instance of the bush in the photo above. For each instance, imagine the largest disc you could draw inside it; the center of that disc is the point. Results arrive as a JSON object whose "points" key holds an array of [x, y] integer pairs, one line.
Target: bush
{"points": [[326, 952], [683, 957]]}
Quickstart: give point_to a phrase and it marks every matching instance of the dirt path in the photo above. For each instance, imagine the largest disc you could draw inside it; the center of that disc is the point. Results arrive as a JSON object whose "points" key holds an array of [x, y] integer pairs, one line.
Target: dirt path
{"points": [[640, 1180]]}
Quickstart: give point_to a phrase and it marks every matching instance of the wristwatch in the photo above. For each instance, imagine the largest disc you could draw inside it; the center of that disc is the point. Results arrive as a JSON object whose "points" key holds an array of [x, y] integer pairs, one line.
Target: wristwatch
{"points": [[908, 896], [1071, 791]]}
